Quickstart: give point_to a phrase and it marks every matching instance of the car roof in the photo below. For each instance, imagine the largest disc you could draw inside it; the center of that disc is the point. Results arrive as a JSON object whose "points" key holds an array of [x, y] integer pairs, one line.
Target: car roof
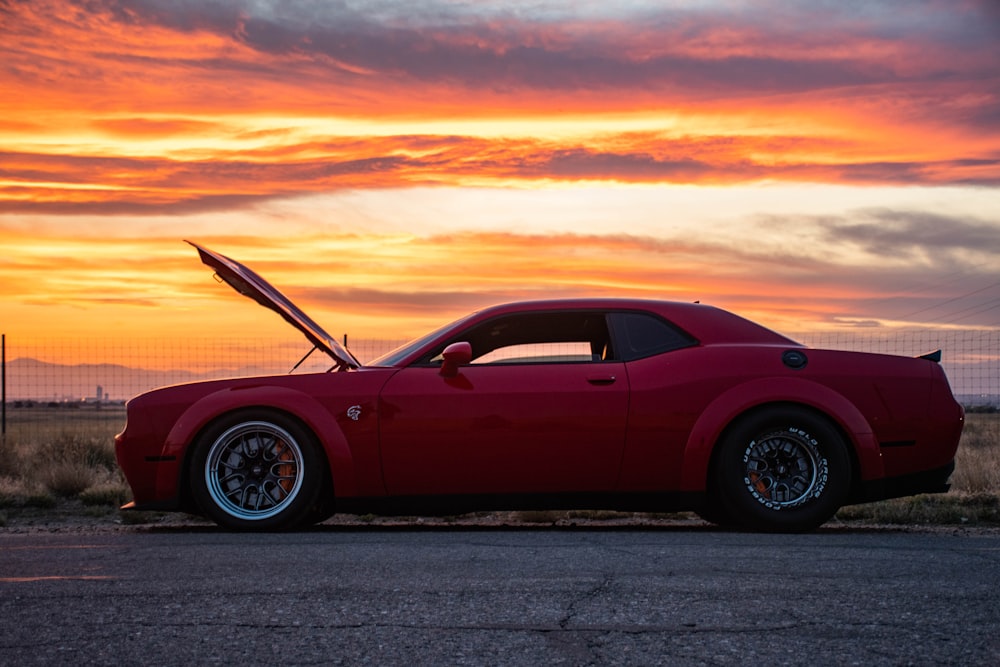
{"points": [[709, 324]]}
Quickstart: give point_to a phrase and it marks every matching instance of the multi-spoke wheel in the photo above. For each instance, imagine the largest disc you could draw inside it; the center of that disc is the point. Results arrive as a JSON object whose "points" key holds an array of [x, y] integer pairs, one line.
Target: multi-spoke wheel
{"points": [[256, 470], [783, 469]]}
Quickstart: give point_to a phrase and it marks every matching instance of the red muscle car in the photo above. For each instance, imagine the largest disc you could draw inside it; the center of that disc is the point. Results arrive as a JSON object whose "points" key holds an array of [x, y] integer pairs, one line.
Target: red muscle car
{"points": [[603, 403]]}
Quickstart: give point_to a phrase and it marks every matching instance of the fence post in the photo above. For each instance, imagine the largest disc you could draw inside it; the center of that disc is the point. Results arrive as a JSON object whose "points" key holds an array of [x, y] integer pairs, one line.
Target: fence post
{"points": [[3, 388]]}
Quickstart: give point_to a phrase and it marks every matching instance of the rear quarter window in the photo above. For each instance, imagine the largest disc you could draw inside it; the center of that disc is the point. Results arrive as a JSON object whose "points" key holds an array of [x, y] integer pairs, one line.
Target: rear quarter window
{"points": [[639, 335]]}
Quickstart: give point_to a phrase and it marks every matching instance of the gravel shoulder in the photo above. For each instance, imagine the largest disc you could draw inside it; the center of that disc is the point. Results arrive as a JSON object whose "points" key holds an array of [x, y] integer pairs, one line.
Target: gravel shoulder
{"points": [[72, 516]]}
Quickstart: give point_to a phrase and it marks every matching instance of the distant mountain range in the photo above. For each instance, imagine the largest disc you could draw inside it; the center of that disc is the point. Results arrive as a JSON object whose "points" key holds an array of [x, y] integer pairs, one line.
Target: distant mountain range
{"points": [[31, 379]]}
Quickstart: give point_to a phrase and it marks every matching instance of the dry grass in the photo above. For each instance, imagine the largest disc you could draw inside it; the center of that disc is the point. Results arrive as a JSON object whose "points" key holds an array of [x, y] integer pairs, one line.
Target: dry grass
{"points": [[974, 498], [111, 492], [977, 466], [950, 508], [58, 453]]}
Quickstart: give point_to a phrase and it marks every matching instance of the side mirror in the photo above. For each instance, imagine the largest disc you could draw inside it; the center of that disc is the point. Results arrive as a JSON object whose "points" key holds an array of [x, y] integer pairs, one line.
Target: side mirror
{"points": [[455, 355]]}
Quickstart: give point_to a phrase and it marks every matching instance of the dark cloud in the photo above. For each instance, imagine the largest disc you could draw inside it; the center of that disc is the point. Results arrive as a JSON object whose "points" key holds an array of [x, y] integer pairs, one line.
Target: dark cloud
{"points": [[586, 164], [154, 185], [580, 66], [894, 232], [182, 15], [985, 172], [502, 51], [937, 269], [186, 205]]}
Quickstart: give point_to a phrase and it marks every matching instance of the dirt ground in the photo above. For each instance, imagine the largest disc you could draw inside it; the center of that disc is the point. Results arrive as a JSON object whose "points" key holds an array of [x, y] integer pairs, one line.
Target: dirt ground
{"points": [[72, 516]]}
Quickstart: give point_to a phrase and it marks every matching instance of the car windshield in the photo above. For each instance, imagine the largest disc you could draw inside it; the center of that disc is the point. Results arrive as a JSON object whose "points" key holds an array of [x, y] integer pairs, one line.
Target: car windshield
{"points": [[396, 357]]}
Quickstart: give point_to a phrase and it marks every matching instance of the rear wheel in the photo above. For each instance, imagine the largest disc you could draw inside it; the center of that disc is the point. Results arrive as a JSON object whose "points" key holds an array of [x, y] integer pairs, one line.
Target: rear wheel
{"points": [[256, 470], [782, 470]]}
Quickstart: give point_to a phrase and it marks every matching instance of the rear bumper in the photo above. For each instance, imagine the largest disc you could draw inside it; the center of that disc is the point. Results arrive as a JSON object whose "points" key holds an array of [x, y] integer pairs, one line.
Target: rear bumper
{"points": [[927, 481]]}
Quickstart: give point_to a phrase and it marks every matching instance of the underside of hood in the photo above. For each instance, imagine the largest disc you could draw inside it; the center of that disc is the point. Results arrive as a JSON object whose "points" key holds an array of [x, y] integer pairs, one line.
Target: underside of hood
{"points": [[248, 283]]}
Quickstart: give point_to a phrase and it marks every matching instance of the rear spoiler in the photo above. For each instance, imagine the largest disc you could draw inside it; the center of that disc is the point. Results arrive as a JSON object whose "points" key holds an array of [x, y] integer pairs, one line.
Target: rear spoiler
{"points": [[934, 356]]}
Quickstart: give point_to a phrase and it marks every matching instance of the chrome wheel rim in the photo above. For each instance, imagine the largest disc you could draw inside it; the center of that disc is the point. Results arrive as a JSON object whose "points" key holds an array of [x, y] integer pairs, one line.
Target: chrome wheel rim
{"points": [[785, 469], [254, 470]]}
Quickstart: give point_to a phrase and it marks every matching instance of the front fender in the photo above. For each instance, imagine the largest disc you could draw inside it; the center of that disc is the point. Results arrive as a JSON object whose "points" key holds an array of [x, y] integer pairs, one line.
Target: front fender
{"points": [[729, 405], [296, 403]]}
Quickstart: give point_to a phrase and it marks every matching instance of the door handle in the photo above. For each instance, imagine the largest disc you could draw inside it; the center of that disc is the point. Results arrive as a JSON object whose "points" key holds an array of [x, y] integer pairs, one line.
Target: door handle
{"points": [[601, 379]]}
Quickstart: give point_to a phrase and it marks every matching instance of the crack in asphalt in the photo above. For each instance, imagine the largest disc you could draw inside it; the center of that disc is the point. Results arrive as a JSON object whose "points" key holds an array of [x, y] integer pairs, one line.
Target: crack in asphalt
{"points": [[595, 591], [569, 640]]}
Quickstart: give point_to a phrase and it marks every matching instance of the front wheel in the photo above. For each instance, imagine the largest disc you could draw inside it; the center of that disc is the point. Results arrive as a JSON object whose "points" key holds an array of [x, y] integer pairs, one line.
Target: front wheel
{"points": [[782, 470], [256, 470]]}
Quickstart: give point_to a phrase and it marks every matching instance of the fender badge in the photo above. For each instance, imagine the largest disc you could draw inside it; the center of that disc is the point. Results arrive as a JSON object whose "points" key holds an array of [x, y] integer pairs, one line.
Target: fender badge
{"points": [[354, 412]]}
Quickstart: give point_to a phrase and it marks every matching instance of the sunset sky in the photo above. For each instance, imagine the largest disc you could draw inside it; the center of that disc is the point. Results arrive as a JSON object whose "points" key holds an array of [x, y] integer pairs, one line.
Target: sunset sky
{"points": [[392, 165]]}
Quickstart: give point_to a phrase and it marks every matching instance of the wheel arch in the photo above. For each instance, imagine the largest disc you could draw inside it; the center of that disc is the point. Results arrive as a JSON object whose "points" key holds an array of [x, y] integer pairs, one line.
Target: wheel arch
{"points": [[762, 408], [295, 405], [769, 393]]}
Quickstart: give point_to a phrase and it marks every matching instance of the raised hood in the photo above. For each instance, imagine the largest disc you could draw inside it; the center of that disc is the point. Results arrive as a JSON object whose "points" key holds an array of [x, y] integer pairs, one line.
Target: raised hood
{"points": [[248, 283]]}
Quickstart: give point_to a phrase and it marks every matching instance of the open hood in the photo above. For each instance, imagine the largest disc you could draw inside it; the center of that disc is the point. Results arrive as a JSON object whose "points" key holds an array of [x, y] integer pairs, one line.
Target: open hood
{"points": [[248, 283]]}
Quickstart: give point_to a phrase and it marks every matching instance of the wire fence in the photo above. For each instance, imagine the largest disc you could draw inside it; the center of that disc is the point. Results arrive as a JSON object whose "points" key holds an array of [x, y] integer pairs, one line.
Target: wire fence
{"points": [[971, 358], [109, 371], [58, 387]]}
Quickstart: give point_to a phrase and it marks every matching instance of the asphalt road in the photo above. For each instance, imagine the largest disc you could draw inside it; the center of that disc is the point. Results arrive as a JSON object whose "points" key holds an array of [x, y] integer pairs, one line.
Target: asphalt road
{"points": [[500, 597]]}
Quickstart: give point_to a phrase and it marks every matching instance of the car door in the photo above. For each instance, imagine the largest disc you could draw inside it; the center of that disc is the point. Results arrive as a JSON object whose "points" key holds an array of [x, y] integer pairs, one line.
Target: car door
{"points": [[537, 423]]}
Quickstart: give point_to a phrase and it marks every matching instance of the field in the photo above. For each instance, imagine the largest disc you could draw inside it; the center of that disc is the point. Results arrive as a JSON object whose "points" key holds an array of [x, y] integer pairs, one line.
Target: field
{"points": [[54, 455], [40, 424], [50, 454]]}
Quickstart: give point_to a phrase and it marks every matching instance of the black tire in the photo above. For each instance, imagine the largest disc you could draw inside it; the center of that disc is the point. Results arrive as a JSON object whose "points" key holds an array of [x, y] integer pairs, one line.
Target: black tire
{"points": [[257, 469], [782, 469], [323, 508], [713, 512]]}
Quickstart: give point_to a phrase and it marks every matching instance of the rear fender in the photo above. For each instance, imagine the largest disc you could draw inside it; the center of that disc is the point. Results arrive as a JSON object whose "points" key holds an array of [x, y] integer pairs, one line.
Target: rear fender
{"points": [[731, 404], [301, 406]]}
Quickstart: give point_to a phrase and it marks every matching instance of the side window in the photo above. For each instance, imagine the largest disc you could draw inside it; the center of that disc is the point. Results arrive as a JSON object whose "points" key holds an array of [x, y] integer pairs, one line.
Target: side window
{"points": [[639, 335], [537, 338], [538, 353]]}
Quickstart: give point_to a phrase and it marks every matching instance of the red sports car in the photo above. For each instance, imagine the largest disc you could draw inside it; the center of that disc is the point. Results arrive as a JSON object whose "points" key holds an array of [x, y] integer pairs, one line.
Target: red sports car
{"points": [[587, 403]]}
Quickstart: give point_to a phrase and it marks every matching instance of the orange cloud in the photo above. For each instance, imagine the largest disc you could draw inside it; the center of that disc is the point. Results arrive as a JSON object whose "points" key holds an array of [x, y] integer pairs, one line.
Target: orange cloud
{"points": [[224, 179], [130, 108]]}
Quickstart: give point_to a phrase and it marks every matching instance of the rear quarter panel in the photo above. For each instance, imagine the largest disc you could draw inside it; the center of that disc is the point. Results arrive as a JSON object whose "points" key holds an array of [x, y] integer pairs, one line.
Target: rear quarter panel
{"points": [[907, 401], [682, 401]]}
